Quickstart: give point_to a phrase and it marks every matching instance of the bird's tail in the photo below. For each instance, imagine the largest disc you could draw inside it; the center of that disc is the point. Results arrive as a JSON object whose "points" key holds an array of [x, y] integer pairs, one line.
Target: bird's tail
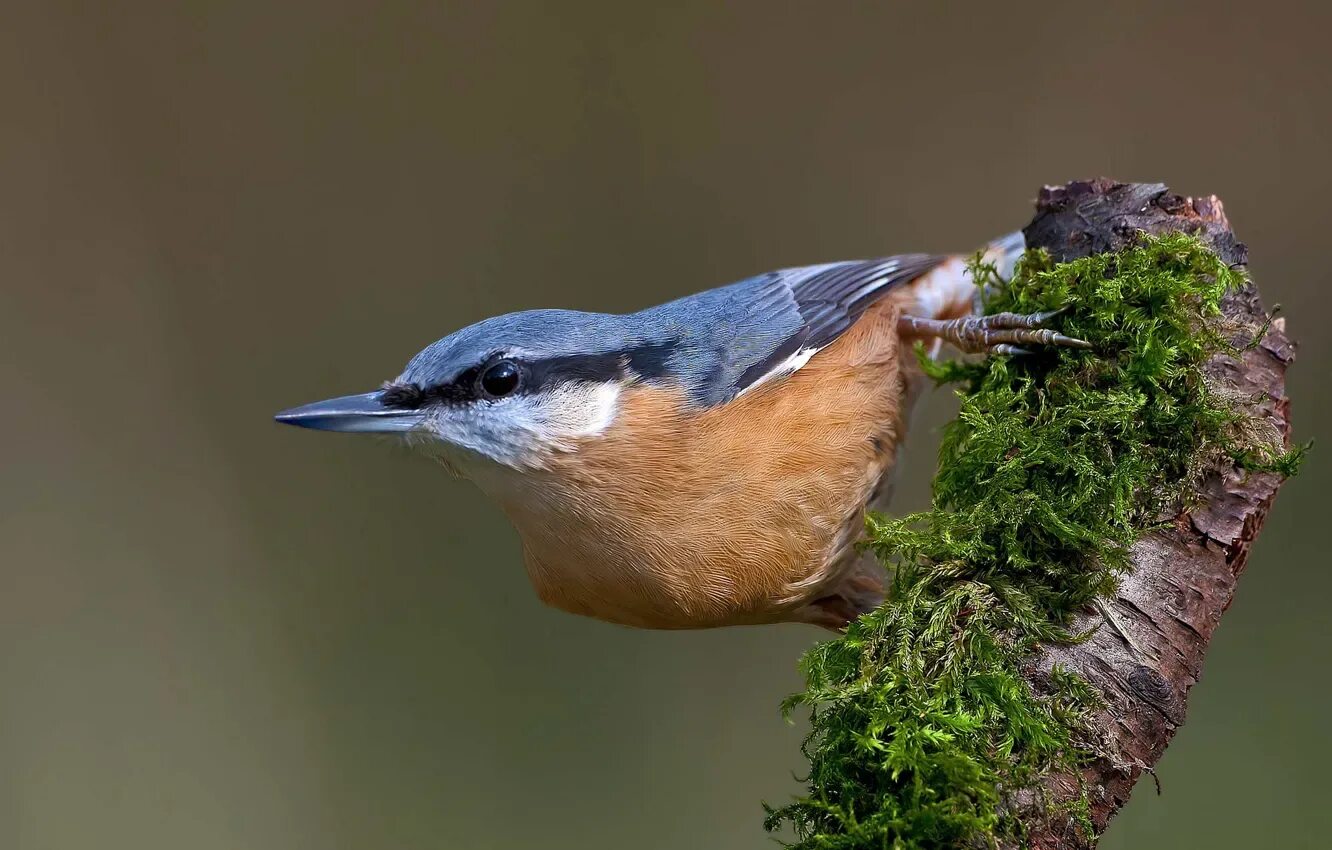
{"points": [[1004, 253], [947, 291]]}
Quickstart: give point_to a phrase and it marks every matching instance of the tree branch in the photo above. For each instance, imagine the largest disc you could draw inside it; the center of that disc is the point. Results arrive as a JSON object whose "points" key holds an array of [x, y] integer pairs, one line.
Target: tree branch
{"points": [[1148, 646]]}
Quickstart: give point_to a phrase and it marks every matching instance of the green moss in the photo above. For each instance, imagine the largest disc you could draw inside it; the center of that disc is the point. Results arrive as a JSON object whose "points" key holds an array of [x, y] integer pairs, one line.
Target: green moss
{"points": [[1055, 464]]}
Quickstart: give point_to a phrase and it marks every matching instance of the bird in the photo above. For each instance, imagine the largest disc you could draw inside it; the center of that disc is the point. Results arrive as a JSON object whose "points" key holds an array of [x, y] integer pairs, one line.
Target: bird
{"points": [[708, 461]]}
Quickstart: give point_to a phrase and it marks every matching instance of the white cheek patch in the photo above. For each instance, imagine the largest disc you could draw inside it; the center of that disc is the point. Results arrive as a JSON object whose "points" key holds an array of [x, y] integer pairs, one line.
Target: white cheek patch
{"points": [[579, 410], [525, 430]]}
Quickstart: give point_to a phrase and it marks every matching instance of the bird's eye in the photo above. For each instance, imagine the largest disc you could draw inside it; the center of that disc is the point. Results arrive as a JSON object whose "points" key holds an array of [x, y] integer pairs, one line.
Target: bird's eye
{"points": [[500, 379]]}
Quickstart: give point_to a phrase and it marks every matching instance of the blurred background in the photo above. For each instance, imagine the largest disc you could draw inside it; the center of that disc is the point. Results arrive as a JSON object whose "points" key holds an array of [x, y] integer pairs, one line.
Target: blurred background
{"points": [[216, 632]]}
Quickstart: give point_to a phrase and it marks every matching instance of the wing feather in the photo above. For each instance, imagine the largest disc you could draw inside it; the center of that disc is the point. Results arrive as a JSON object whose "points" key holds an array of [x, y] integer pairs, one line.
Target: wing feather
{"points": [[829, 299]]}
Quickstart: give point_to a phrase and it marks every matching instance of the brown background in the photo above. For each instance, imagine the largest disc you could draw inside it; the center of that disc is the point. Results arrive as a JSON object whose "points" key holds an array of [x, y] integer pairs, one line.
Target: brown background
{"points": [[219, 633]]}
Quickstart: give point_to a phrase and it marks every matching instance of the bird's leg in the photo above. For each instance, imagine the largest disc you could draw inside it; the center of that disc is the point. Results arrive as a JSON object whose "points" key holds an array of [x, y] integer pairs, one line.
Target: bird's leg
{"points": [[857, 592], [1001, 333]]}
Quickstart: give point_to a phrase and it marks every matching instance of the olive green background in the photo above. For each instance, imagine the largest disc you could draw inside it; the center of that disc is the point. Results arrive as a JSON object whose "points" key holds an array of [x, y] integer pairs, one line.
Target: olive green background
{"points": [[216, 632]]}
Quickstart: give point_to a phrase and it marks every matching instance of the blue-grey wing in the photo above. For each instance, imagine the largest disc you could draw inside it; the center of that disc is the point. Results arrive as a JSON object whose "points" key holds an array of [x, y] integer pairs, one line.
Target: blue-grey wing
{"points": [[774, 323], [724, 341]]}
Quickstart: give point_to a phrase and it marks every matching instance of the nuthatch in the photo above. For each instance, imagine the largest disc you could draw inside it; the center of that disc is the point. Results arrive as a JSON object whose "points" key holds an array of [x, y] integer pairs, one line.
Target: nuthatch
{"points": [[706, 462]]}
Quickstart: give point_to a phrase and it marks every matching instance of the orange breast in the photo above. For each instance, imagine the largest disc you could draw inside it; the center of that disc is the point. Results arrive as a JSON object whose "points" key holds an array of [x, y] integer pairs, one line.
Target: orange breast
{"points": [[736, 514]]}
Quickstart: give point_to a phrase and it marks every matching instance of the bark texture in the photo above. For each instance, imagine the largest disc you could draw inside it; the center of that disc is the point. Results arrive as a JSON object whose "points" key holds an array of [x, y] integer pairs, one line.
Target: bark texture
{"points": [[1149, 643]]}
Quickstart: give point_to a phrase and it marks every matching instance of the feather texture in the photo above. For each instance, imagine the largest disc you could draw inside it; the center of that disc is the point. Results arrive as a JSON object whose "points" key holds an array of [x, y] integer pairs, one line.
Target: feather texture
{"points": [[713, 344], [746, 512]]}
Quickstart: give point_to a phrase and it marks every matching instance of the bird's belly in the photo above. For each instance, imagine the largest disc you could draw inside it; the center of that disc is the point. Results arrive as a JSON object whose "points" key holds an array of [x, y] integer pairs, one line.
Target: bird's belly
{"points": [[687, 576], [740, 513], [745, 561]]}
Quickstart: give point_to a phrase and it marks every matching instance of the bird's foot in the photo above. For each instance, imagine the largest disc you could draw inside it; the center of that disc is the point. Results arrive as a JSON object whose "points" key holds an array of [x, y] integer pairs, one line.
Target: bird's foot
{"points": [[856, 594], [1001, 333]]}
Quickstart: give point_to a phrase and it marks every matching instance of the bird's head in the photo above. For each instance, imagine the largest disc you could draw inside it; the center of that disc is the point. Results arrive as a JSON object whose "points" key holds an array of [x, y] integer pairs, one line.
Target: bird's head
{"points": [[512, 390]]}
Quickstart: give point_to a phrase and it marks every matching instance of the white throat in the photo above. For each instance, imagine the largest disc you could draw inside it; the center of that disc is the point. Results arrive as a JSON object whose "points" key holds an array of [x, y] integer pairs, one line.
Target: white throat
{"points": [[522, 432]]}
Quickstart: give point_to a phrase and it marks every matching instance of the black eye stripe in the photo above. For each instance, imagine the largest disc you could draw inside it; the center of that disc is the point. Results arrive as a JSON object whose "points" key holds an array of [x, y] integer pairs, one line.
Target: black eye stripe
{"points": [[589, 368], [648, 362], [407, 396], [402, 396]]}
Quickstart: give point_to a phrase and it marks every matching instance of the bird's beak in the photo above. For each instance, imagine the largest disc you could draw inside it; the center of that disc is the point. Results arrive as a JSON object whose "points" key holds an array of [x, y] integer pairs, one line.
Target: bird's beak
{"points": [[361, 413]]}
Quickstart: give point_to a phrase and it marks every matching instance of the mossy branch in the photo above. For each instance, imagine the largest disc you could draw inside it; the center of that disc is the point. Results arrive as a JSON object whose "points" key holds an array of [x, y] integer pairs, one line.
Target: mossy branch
{"points": [[1092, 511]]}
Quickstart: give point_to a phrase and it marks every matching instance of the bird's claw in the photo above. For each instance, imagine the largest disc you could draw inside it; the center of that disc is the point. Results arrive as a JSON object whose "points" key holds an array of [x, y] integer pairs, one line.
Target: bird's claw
{"points": [[1000, 333]]}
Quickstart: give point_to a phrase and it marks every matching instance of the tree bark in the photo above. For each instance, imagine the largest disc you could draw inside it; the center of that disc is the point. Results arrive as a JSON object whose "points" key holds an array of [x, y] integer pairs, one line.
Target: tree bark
{"points": [[1148, 646]]}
